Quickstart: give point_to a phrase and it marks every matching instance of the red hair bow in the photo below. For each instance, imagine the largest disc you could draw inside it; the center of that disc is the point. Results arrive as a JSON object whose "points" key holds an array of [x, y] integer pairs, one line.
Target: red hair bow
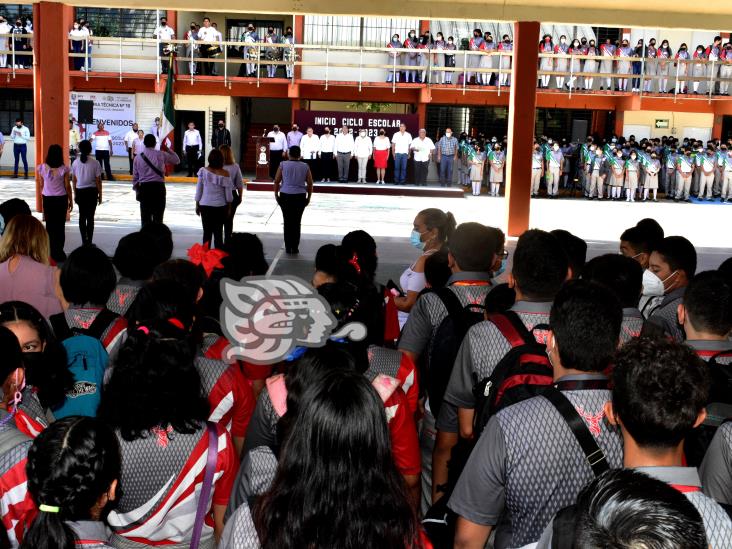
{"points": [[200, 254], [354, 261]]}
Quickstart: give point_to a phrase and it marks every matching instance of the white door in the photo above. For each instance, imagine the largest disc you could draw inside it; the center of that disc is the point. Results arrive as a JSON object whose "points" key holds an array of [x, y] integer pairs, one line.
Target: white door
{"points": [[640, 132], [699, 134]]}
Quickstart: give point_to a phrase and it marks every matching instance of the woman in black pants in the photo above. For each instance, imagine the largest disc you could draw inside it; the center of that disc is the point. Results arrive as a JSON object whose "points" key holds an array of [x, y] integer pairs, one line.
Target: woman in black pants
{"points": [[213, 198], [86, 176], [56, 191], [293, 187]]}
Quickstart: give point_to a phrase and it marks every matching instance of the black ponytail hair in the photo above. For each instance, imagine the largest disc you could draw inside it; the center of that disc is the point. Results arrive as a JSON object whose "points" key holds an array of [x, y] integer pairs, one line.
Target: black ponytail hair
{"points": [[85, 150], [71, 465], [46, 370]]}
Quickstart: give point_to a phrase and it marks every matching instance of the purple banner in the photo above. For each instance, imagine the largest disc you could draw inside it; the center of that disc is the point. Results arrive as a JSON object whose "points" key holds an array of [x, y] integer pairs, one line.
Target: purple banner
{"points": [[372, 122]]}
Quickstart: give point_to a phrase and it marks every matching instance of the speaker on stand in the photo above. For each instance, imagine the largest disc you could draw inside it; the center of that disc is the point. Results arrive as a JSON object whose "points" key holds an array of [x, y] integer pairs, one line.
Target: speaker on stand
{"points": [[85, 115]]}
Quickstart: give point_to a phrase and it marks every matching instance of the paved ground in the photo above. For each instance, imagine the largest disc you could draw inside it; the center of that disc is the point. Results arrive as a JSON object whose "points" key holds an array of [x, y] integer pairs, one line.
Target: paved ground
{"points": [[389, 220]]}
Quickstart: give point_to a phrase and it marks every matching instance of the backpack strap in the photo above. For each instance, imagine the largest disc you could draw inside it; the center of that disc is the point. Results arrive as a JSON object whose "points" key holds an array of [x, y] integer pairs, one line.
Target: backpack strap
{"points": [[512, 328], [715, 356], [60, 327], [450, 301], [277, 393], [594, 455], [101, 322]]}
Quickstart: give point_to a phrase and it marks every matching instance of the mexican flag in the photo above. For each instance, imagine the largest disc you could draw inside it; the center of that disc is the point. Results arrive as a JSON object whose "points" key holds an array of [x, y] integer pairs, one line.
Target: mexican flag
{"points": [[167, 117]]}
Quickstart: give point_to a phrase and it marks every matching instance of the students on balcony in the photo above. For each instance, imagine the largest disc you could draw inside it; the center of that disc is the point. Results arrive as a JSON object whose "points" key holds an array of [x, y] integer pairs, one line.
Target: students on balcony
{"points": [[395, 59]]}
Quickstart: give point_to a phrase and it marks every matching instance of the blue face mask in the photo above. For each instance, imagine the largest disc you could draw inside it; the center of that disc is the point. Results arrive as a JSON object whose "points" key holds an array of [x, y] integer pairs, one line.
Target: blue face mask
{"points": [[502, 268], [416, 240]]}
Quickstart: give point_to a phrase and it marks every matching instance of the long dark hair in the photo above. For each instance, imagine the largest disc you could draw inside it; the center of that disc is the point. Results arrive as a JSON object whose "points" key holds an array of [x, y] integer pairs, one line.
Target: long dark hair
{"points": [[55, 156], [85, 150], [45, 370], [154, 383], [71, 464], [336, 485]]}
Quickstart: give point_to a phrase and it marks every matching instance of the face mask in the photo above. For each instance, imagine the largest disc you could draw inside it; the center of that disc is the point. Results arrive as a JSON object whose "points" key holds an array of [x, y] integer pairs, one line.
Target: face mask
{"points": [[362, 134], [327, 131], [563, 40], [276, 129], [501, 269], [653, 286], [221, 125], [556, 147], [415, 240], [76, 26], [632, 156], [547, 39], [448, 134]]}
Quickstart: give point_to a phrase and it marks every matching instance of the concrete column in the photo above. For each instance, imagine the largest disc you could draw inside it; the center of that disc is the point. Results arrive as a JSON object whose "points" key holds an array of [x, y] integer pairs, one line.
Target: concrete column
{"points": [[521, 121], [51, 22]]}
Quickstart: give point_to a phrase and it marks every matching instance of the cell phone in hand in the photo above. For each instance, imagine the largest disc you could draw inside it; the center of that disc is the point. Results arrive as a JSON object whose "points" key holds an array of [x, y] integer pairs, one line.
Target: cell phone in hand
{"points": [[392, 286]]}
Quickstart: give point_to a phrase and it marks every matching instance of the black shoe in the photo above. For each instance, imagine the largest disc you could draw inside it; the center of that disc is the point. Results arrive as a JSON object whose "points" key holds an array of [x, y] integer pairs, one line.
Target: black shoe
{"points": [[15, 176]]}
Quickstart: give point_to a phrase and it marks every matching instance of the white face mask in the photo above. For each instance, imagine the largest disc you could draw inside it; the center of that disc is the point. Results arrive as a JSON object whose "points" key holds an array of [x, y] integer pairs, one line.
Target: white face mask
{"points": [[448, 134], [653, 286]]}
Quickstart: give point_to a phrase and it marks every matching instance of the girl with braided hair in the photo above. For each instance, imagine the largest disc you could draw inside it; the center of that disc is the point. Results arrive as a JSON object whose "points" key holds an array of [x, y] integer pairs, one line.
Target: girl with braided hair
{"points": [[73, 469]]}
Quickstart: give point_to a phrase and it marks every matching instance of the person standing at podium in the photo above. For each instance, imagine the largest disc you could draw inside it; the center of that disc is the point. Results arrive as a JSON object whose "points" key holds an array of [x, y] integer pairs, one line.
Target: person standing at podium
{"points": [[277, 148], [293, 187]]}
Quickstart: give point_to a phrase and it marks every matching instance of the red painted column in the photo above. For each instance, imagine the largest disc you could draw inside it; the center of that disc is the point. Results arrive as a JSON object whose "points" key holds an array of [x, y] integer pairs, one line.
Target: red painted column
{"points": [[422, 114], [51, 83], [619, 122], [424, 25], [717, 126], [299, 30], [521, 121]]}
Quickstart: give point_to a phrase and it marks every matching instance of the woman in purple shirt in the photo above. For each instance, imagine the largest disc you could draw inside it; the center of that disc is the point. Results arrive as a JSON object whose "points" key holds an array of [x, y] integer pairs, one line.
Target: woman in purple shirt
{"points": [[213, 198], [232, 167], [87, 178], [293, 186], [53, 177]]}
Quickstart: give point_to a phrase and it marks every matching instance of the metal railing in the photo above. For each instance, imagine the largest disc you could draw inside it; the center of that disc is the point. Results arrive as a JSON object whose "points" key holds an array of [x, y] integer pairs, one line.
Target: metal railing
{"points": [[13, 55], [365, 65]]}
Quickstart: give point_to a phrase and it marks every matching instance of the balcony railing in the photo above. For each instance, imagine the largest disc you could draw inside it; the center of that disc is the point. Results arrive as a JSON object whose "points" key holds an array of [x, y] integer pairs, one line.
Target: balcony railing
{"points": [[19, 56], [334, 65]]}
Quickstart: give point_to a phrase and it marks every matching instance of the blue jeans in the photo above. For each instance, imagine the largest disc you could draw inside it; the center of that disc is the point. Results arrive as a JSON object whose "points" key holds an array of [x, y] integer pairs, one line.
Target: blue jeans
{"points": [[400, 168], [446, 170], [636, 70], [20, 151]]}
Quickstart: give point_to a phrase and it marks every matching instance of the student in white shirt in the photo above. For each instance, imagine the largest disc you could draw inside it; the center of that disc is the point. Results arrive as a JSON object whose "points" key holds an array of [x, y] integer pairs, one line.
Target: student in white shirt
{"points": [[401, 142], [277, 150], [103, 149], [76, 38], [164, 34], [363, 150], [421, 148], [310, 150], [130, 138], [209, 35], [193, 146], [344, 152], [327, 150]]}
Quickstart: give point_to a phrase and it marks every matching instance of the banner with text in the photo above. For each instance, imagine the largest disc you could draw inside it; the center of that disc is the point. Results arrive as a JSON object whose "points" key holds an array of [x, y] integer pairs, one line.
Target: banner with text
{"points": [[115, 110], [372, 122]]}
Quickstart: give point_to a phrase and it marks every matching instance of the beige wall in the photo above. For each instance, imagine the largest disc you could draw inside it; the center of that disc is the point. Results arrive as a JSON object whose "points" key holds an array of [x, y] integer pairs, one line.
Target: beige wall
{"points": [[678, 122]]}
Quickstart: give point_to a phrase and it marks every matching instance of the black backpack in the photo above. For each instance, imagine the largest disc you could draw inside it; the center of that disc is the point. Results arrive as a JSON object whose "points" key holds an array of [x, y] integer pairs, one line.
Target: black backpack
{"points": [[719, 409], [521, 374], [447, 340]]}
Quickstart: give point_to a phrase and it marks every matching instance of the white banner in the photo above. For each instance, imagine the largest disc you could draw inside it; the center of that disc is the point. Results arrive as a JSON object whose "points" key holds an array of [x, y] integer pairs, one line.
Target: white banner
{"points": [[116, 110]]}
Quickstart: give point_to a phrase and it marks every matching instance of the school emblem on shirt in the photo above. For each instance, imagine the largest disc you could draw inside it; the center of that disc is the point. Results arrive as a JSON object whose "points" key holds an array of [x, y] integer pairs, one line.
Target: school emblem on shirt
{"points": [[266, 318]]}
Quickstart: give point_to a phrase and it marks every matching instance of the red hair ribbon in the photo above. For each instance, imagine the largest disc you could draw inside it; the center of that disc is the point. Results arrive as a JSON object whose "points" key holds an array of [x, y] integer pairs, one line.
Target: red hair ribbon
{"points": [[161, 435], [354, 261], [201, 254], [177, 323]]}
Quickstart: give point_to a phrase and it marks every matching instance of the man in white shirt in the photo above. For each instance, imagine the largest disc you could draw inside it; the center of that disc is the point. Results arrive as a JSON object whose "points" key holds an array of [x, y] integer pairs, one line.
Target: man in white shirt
{"points": [[363, 149], [103, 149], [130, 138], [327, 150], [193, 145], [310, 149], [344, 152], [421, 148], [5, 28], [400, 147], [277, 150], [164, 34], [209, 35]]}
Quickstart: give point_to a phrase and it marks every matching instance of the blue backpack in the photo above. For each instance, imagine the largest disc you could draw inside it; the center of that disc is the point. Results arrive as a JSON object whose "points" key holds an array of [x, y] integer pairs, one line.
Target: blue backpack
{"points": [[87, 360]]}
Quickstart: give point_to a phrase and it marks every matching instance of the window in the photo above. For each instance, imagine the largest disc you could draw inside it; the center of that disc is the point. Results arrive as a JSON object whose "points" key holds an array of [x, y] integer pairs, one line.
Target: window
{"points": [[12, 11], [16, 104], [121, 23], [355, 31]]}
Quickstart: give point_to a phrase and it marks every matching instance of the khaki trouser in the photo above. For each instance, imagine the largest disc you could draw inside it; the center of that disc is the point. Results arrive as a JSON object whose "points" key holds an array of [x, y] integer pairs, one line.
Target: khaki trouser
{"points": [[552, 186], [683, 186], [363, 162], [727, 185], [596, 184], [535, 180], [706, 182]]}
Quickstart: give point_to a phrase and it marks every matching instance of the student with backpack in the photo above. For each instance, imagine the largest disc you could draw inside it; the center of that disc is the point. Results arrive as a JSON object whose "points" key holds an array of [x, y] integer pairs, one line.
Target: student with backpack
{"points": [[659, 392], [135, 259], [73, 473], [624, 276], [535, 456], [706, 315], [90, 333], [439, 320], [671, 266], [16, 504]]}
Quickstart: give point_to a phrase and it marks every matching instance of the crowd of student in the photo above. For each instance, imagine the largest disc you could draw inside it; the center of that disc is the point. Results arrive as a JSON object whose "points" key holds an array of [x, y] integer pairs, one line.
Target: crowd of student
{"points": [[568, 406]]}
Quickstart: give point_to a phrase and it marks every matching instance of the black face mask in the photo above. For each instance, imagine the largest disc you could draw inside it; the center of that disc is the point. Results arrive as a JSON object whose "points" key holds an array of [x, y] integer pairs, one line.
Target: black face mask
{"points": [[221, 126]]}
